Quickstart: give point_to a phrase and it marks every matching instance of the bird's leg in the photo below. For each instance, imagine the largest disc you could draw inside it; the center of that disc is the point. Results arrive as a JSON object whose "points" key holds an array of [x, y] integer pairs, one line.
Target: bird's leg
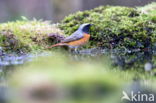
{"points": [[70, 50], [76, 51], [73, 50]]}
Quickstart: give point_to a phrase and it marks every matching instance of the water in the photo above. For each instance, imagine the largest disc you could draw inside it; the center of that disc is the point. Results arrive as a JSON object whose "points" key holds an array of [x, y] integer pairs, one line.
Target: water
{"points": [[141, 61]]}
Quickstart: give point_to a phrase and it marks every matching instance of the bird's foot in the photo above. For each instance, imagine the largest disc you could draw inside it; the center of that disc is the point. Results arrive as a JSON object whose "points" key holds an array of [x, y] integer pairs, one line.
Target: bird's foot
{"points": [[74, 51]]}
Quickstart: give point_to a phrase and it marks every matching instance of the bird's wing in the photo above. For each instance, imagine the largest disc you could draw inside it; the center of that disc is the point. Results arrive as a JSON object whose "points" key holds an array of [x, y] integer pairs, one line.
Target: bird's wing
{"points": [[75, 36]]}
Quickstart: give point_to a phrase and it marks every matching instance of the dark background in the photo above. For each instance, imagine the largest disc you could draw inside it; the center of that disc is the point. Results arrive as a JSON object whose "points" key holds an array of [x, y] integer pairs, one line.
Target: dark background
{"points": [[55, 10]]}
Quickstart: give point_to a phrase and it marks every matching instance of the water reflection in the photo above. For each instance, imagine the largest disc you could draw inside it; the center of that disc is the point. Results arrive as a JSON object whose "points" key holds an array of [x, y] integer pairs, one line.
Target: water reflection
{"points": [[123, 58]]}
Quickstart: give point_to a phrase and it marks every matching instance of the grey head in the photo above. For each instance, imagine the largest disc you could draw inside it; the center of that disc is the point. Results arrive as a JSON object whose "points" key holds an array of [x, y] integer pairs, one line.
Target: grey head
{"points": [[85, 27]]}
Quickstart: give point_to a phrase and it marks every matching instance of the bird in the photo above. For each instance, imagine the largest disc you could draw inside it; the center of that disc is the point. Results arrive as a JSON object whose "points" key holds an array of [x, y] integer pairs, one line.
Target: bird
{"points": [[79, 38]]}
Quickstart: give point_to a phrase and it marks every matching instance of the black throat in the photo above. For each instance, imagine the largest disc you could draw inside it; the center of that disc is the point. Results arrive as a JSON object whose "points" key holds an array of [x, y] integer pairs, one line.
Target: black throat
{"points": [[86, 29]]}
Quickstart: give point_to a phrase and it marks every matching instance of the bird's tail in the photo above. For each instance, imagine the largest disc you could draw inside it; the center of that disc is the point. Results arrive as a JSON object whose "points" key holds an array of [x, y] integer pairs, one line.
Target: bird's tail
{"points": [[59, 44]]}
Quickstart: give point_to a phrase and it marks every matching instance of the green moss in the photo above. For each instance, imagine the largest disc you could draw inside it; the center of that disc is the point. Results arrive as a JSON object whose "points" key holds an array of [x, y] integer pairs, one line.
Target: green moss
{"points": [[116, 25], [26, 35], [150, 10]]}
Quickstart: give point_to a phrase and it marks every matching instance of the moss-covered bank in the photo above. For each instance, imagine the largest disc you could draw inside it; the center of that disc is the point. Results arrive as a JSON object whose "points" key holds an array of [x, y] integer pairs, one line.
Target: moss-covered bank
{"points": [[114, 27], [118, 26], [26, 35]]}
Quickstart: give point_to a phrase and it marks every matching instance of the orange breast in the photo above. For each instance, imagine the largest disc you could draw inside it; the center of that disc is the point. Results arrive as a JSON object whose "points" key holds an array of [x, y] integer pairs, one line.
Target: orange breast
{"points": [[81, 41]]}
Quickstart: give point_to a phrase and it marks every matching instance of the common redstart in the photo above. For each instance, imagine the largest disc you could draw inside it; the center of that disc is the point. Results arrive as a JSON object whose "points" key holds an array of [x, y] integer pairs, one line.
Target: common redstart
{"points": [[77, 39]]}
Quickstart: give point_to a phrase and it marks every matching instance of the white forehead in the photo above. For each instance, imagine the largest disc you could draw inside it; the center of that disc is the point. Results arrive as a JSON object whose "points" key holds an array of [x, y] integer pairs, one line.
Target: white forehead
{"points": [[83, 25]]}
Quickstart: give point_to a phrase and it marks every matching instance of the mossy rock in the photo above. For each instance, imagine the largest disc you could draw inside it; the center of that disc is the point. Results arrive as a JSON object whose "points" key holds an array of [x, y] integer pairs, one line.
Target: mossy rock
{"points": [[114, 26], [26, 36]]}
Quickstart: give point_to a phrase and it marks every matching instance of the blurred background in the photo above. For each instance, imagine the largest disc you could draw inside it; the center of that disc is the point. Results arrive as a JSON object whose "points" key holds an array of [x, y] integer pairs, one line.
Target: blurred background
{"points": [[70, 78], [55, 10]]}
